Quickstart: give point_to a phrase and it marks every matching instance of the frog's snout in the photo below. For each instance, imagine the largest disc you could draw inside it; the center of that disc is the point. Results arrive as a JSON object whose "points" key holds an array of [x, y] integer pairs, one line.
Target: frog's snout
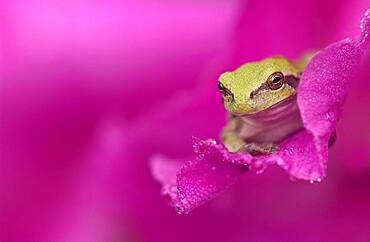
{"points": [[239, 108]]}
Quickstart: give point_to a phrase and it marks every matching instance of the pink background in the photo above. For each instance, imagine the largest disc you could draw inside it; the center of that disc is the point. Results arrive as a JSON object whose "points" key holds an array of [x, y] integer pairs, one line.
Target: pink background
{"points": [[91, 90]]}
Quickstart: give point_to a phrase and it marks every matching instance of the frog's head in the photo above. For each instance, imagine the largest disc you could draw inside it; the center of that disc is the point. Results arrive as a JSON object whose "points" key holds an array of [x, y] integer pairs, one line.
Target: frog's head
{"points": [[256, 86]]}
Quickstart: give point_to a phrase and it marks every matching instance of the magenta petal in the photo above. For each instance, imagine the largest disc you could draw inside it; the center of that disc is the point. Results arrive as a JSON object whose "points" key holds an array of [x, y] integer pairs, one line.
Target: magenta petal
{"points": [[298, 156], [202, 178], [199, 179], [323, 88], [325, 82], [165, 170]]}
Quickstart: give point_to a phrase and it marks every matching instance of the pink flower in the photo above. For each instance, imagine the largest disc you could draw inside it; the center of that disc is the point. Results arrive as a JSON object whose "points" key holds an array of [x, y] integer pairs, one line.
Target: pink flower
{"points": [[322, 90], [92, 90]]}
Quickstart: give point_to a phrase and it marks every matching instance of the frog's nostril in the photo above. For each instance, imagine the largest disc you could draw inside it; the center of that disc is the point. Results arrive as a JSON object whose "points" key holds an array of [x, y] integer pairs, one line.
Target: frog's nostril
{"points": [[229, 98]]}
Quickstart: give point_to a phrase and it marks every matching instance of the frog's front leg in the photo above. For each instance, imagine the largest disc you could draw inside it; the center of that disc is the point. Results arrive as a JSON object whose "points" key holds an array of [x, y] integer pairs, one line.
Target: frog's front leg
{"points": [[231, 138], [230, 135]]}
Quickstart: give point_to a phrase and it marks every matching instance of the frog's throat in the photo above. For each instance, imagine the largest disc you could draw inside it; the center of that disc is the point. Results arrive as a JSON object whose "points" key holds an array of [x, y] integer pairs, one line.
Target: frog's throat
{"points": [[275, 115]]}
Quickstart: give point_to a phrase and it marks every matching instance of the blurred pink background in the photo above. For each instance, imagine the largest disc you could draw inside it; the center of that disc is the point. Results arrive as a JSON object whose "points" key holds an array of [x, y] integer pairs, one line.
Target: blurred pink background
{"points": [[92, 90]]}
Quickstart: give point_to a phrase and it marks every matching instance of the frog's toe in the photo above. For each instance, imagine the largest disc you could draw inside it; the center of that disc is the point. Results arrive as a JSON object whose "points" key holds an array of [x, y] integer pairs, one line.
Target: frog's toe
{"points": [[259, 149]]}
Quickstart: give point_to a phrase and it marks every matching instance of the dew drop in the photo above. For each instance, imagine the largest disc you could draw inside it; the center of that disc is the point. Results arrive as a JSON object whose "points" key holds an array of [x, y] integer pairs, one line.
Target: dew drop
{"points": [[291, 151], [260, 171], [347, 40], [330, 116]]}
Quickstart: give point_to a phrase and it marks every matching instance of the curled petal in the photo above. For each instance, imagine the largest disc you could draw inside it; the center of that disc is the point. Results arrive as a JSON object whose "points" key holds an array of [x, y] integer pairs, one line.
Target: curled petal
{"points": [[199, 179], [322, 91], [326, 79]]}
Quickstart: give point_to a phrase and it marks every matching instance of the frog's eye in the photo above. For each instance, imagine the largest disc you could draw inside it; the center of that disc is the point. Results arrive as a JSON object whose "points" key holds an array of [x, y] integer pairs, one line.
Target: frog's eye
{"points": [[275, 81], [226, 93], [220, 87]]}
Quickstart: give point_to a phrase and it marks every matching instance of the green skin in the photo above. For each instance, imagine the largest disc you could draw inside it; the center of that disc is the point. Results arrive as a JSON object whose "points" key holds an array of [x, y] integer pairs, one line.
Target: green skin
{"points": [[260, 98]]}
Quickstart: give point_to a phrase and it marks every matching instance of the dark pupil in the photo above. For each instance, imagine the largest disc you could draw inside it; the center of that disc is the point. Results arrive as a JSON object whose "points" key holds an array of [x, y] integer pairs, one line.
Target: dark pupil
{"points": [[220, 86], [276, 79]]}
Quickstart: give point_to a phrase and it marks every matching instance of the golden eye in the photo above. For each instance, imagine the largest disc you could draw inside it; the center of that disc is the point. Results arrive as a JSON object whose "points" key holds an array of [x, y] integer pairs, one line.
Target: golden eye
{"points": [[275, 81]]}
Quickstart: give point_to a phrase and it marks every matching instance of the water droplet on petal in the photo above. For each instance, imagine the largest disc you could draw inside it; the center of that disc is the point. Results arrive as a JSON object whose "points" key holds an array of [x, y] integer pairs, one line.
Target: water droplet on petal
{"points": [[260, 171], [330, 116], [291, 151]]}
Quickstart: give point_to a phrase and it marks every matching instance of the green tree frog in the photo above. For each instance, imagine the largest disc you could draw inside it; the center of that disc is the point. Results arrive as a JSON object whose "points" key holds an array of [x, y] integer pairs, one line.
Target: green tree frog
{"points": [[261, 100]]}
